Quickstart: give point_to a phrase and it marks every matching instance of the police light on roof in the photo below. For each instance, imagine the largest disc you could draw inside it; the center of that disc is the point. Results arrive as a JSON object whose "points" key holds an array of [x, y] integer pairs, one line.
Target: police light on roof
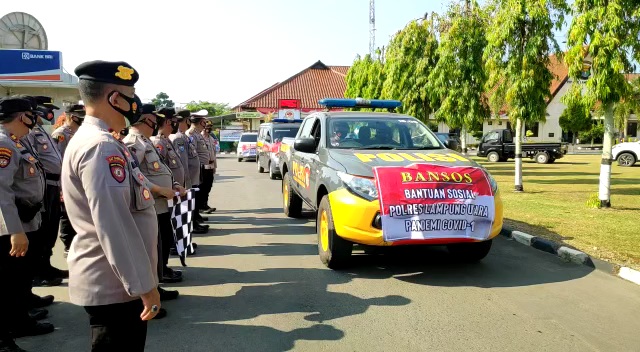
{"points": [[285, 120], [359, 102]]}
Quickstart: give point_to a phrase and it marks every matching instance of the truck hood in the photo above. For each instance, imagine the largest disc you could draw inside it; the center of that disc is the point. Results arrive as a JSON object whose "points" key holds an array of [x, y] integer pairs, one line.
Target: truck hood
{"points": [[362, 162]]}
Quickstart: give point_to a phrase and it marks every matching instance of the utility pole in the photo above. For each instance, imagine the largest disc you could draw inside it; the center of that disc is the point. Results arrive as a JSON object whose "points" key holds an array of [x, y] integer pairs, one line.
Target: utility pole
{"points": [[372, 28]]}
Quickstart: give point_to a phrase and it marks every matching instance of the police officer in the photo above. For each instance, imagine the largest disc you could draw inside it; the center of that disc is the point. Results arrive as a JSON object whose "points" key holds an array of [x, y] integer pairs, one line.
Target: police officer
{"points": [[22, 187], [165, 148], [209, 169], [187, 150], [154, 167], [47, 153], [113, 258], [195, 136], [74, 115]]}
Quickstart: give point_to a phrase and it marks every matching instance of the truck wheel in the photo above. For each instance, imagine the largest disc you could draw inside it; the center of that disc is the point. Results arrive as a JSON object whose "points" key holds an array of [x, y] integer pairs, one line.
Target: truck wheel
{"points": [[493, 157], [470, 252], [542, 158], [626, 159], [291, 202], [239, 159], [271, 174], [552, 160], [260, 168], [335, 251]]}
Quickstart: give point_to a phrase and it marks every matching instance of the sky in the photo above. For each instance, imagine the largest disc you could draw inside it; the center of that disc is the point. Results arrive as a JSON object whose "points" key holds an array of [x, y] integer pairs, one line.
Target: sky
{"points": [[216, 50]]}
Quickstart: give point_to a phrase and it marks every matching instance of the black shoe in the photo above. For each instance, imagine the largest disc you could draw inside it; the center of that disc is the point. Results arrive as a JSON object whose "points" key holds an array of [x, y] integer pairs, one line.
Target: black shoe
{"points": [[170, 279], [32, 330], [167, 295], [46, 282], [10, 347], [40, 302], [210, 210], [65, 254], [38, 313], [161, 314], [202, 225], [199, 230], [172, 272]]}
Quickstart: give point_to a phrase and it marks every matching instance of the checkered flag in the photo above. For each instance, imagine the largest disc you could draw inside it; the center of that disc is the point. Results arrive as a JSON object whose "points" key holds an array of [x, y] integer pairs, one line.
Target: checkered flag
{"points": [[182, 221]]}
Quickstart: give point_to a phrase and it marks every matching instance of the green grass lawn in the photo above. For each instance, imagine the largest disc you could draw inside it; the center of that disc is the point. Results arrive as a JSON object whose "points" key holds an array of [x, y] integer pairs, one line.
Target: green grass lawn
{"points": [[554, 206]]}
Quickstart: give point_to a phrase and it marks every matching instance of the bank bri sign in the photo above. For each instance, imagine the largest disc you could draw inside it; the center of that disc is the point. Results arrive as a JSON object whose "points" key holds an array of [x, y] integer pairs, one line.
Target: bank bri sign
{"points": [[30, 65]]}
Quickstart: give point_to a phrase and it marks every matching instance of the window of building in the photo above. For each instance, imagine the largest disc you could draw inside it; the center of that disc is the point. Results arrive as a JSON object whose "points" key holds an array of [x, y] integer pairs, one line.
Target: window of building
{"points": [[551, 135], [632, 129], [533, 127], [490, 123]]}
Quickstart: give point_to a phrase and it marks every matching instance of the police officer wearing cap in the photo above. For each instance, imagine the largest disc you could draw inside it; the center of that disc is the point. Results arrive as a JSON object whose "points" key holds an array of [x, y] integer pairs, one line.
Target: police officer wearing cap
{"points": [[209, 169], [155, 168], [22, 188], [165, 148], [74, 115], [47, 153], [189, 155], [194, 133], [113, 258]]}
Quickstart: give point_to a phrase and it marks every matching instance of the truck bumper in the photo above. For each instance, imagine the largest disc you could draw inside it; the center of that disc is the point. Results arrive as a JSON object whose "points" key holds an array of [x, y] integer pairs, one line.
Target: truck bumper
{"points": [[357, 220]]}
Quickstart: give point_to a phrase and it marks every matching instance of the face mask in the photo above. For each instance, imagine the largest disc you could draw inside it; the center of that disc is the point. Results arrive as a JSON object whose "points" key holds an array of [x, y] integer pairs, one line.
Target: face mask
{"points": [[33, 120], [174, 127], [125, 131], [77, 120], [133, 115]]}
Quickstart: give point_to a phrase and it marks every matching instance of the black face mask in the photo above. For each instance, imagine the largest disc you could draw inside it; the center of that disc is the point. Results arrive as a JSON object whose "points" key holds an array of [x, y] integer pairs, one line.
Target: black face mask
{"points": [[33, 120], [174, 127], [77, 120], [133, 115], [125, 131]]}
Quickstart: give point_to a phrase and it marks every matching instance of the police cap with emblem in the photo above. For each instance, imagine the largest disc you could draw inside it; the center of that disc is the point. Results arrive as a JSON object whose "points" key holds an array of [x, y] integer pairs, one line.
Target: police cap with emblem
{"points": [[10, 105], [197, 116], [183, 114], [45, 101], [76, 110], [167, 112], [114, 72], [151, 109]]}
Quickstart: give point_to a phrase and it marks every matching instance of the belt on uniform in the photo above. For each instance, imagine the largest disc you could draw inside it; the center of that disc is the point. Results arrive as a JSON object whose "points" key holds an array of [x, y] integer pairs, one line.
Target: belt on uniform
{"points": [[53, 177]]}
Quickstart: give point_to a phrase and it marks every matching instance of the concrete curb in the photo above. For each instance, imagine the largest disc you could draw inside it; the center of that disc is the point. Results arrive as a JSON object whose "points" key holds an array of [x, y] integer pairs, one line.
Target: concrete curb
{"points": [[571, 255]]}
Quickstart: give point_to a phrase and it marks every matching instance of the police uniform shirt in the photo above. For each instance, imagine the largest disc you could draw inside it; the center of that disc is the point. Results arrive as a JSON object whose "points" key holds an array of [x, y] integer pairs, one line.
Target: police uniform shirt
{"points": [[201, 146], [151, 165], [213, 155], [170, 157], [193, 162], [21, 180], [114, 256], [47, 153], [61, 136]]}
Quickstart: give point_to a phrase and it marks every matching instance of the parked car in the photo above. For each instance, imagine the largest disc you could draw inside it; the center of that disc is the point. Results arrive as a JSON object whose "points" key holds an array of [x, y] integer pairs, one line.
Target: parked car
{"points": [[269, 141], [498, 145], [450, 140], [247, 146], [626, 154]]}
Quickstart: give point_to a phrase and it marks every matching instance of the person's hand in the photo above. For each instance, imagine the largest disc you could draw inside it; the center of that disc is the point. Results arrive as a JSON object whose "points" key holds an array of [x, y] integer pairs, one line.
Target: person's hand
{"points": [[150, 299], [166, 192], [180, 189], [19, 245]]}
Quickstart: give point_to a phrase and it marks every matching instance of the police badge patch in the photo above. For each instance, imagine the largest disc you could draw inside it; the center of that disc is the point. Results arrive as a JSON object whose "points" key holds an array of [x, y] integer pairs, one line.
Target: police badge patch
{"points": [[116, 166], [5, 157]]}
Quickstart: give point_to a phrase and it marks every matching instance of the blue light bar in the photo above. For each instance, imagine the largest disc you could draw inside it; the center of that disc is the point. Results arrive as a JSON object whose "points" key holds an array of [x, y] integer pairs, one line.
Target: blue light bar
{"points": [[286, 120], [359, 102]]}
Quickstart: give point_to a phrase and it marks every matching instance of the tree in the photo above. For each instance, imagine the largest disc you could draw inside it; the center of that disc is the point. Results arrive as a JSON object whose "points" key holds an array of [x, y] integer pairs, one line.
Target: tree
{"points": [[162, 101], [366, 77], [410, 57], [213, 109], [520, 39], [601, 36], [458, 79], [576, 117], [630, 105]]}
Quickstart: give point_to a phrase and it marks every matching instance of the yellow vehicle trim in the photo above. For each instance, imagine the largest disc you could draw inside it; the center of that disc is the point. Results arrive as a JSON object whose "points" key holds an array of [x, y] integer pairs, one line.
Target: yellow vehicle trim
{"points": [[353, 218]]}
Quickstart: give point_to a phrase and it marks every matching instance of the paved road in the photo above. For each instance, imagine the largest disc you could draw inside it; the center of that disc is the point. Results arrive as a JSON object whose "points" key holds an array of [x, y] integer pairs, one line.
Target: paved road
{"points": [[258, 285]]}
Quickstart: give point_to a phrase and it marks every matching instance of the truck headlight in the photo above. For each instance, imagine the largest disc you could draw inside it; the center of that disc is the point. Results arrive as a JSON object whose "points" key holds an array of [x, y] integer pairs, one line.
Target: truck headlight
{"points": [[361, 186]]}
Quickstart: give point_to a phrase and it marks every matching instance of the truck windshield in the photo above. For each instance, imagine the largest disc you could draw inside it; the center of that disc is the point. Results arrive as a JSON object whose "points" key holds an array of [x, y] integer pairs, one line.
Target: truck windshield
{"points": [[282, 132], [249, 138], [375, 133]]}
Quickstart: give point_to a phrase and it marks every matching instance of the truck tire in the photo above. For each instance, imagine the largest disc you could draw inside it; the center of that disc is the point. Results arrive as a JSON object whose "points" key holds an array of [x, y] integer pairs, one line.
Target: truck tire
{"points": [[626, 159], [470, 252], [493, 157], [260, 168], [239, 159], [552, 160], [334, 251], [272, 175], [542, 158], [291, 202]]}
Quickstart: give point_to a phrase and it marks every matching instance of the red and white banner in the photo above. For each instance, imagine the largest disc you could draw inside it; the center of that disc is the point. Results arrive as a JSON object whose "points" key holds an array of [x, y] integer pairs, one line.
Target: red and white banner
{"points": [[425, 201]]}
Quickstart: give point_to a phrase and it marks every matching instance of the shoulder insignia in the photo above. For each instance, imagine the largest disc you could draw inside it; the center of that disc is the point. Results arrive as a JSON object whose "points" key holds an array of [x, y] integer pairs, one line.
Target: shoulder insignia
{"points": [[146, 194], [156, 165], [13, 137], [32, 171], [60, 138], [5, 157], [140, 177], [116, 166], [31, 158]]}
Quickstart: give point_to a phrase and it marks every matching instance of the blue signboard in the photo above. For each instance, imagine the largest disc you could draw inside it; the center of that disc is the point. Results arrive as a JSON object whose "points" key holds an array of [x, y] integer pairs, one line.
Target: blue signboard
{"points": [[30, 65]]}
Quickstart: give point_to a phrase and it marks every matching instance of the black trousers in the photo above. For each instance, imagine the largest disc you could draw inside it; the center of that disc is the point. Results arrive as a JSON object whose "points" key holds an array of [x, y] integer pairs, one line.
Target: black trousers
{"points": [[117, 327], [15, 291], [41, 245], [205, 187], [67, 233], [165, 241]]}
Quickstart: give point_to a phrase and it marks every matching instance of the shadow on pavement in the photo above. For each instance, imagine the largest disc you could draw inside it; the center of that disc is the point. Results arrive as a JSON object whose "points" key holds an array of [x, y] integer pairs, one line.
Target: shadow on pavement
{"points": [[269, 249]]}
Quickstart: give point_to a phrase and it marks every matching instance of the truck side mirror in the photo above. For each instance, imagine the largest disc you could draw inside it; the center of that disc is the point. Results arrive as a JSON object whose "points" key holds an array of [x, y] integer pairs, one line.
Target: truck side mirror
{"points": [[305, 145]]}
